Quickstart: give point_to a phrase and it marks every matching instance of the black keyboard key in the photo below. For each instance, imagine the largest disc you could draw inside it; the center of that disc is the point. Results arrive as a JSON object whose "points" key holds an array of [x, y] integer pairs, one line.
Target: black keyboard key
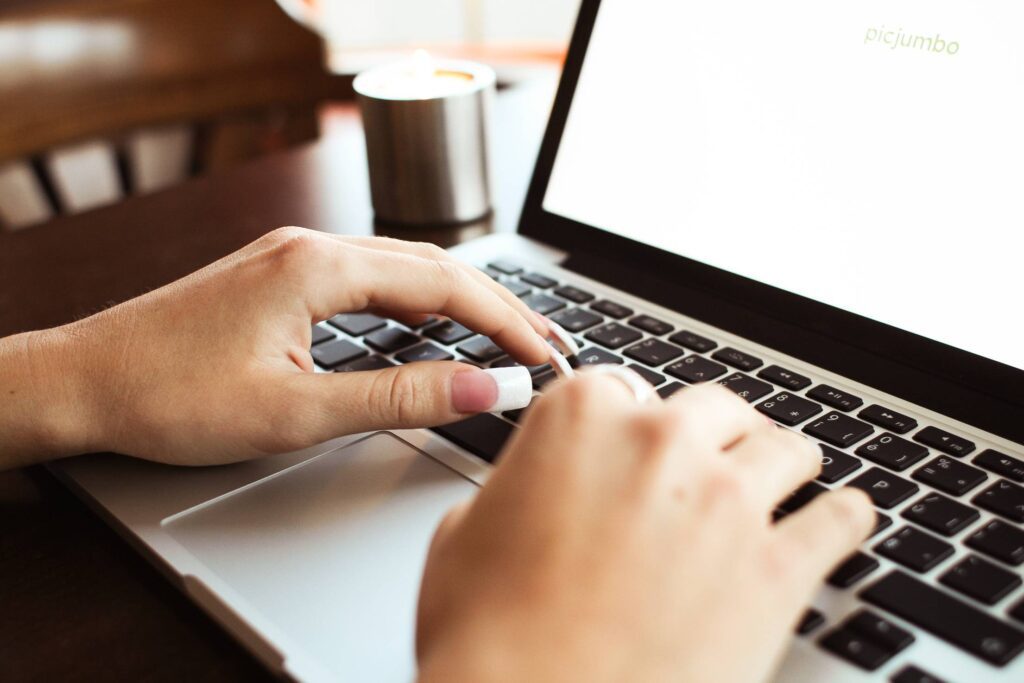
{"points": [[692, 341], [332, 354], [1000, 540], [881, 632], [789, 409], [653, 352], [855, 648], [886, 490], [888, 419], [981, 580], [892, 451], [543, 303], [480, 349], [538, 280], [482, 435], [612, 309], [320, 335], [950, 476], [1017, 611], [696, 369], [801, 497], [368, 364], [738, 359], [944, 441], [1003, 498], [576, 319], [914, 549], [391, 339], [1000, 463], [882, 522], [746, 387], [448, 332], [653, 378], [669, 389], [942, 515], [836, 465], [423, 352], [509, 362], [913, 674], [594, 356], [652, 325], [506, 267], [518, 288], [491, 273], [574, 294], [357, 324], [542, 380], [613, 335], [812, 620], [836, 398], [946, 617], [852, 570], [785, 378], [838, 429]]}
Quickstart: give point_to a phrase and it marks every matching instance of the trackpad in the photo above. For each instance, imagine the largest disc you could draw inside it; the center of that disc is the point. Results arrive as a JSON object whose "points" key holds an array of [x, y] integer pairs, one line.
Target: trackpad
{"points": [[331, 551]]}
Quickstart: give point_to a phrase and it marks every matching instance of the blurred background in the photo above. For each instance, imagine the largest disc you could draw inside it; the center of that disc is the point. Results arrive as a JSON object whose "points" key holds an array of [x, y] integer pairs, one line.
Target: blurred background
{"points": [[104, 99]]}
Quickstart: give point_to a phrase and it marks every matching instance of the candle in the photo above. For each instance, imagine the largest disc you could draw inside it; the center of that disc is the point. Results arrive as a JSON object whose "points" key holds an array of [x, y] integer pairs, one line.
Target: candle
{"points": [[426, 139]]}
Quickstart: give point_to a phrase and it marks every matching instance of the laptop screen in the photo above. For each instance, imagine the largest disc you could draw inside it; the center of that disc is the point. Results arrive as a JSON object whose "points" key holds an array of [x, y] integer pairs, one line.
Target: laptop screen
{"points": [[866, 154]]}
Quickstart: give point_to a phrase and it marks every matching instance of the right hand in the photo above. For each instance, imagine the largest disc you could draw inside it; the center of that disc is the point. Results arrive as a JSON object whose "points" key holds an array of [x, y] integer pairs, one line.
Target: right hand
{"points": [[623, 542]]}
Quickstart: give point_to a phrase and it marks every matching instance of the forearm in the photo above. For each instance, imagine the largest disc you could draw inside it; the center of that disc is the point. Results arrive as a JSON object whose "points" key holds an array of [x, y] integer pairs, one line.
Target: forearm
{"points": [[42, 398]]}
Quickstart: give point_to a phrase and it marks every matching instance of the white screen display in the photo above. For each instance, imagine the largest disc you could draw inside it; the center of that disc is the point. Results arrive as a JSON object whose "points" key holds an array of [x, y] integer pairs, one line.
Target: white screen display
{"points": [[868, 154]]}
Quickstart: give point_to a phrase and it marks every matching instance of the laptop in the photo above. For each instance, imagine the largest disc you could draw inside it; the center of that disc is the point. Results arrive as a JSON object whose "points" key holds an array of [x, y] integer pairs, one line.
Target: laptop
{"points": [[817, 205]]}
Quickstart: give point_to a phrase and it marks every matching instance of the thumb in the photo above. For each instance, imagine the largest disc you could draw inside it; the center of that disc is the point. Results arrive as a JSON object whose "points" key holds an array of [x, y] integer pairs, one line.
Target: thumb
{"points": [[420, 394]]}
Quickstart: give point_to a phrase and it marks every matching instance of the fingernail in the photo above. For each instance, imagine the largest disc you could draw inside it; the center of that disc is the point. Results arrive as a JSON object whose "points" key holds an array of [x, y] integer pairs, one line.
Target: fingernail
{"points": [[495, 390], [563, 339]]}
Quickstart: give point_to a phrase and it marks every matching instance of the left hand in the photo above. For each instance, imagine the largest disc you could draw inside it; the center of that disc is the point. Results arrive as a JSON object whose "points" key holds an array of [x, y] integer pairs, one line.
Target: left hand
{"points": [[216, 367]]}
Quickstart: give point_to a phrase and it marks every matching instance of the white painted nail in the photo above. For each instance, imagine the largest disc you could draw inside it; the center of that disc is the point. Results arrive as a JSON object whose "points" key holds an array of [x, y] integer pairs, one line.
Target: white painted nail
{"points": [[515, 388], [563, 339], [560, 364]]}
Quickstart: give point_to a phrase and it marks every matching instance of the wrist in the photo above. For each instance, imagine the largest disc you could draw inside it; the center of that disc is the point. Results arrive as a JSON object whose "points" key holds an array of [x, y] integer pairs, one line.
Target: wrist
{"points": [[46, 397]]}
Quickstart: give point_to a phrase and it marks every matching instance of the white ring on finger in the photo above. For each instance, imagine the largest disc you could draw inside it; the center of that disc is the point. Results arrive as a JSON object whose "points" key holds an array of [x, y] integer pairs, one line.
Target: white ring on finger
{"points": [[641, 388]]}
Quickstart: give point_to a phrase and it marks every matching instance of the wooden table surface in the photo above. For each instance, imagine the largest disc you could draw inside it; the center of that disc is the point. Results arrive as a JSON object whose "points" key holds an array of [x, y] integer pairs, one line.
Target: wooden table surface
{"points": [[76, 602]]}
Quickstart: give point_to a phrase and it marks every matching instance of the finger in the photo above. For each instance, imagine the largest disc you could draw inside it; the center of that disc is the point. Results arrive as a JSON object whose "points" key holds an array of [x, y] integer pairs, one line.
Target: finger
{"points": [[719, 417], [433, 252], [359, 278], [778, 460], [414, 395], [824, 532]]}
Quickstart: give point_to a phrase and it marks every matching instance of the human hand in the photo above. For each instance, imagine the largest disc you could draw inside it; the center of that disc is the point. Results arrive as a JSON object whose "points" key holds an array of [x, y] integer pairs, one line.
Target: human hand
{"points": [[216, 367], [616, 542]]}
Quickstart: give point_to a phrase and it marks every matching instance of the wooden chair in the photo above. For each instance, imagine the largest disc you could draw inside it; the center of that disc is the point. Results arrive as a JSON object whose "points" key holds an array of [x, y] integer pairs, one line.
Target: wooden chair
{"points": [[104, 98]]}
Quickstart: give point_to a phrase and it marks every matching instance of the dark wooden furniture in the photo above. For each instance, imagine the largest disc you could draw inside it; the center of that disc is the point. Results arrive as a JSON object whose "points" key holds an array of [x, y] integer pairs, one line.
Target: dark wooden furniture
{"points": [[76, 602], [239, 77]]}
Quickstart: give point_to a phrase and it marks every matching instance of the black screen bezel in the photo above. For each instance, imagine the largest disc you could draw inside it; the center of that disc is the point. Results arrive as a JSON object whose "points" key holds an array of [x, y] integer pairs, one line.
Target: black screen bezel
{"points": [[951, 381]]}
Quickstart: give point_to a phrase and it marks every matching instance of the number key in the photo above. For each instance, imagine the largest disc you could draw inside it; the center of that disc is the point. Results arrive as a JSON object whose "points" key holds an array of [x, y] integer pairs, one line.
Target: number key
{"points": [[789, 409], [838, 429], [696, 369], [892, 451]]}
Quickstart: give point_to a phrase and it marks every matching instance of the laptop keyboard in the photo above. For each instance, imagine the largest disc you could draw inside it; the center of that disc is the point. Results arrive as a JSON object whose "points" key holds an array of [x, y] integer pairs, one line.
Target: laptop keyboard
{"points": [[951, 562]]}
